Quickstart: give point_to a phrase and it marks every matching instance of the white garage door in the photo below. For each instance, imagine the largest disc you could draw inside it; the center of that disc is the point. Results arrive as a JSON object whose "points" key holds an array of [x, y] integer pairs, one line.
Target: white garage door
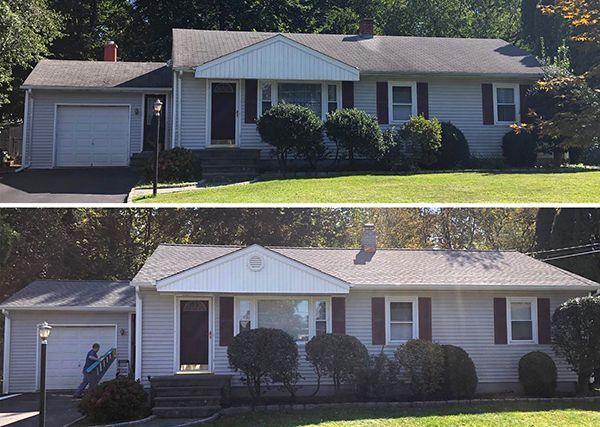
{"points": [[67, 349], [92, 136]]}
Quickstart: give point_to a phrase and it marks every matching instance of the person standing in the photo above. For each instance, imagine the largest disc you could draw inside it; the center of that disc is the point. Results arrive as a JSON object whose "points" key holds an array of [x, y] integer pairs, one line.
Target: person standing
{"points": [[88, 378]]}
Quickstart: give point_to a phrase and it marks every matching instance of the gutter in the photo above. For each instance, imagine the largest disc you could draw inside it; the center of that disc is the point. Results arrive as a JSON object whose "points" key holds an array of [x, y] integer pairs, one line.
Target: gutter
{"points": [[24, 139], [6, 364], [479, 288], [119, 309]]}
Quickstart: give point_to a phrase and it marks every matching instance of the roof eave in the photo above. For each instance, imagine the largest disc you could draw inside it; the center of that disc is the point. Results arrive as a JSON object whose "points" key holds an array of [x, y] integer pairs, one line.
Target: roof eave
{"points": [[98, 88], [124, 309], [526, 76], [494, 287]]}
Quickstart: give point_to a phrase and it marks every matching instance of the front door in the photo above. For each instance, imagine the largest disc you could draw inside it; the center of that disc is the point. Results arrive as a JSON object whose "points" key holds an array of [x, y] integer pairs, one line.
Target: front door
{"points": [[223, 114], [193, 335], [150, 122]]}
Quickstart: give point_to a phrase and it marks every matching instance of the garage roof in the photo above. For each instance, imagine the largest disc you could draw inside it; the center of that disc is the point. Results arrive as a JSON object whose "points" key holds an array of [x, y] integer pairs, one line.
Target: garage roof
{"points": [[99, 294]]}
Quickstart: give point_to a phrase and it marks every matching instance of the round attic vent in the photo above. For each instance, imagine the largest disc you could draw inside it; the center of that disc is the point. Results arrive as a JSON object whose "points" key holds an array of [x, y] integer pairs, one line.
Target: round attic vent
{"points": [[255, 263]]}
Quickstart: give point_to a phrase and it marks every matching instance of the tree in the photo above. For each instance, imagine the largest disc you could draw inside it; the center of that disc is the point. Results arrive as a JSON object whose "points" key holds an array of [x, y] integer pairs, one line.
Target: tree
{"points": [[541, 34], [576, 336]]}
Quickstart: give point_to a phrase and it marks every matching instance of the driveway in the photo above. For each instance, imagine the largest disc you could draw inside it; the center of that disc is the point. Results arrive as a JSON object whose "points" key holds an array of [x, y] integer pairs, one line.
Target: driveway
{"points": [[89, 185], [22, 411]]}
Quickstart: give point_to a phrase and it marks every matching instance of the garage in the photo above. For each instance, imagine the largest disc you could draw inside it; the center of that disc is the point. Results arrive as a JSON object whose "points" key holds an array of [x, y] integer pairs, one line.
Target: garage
{"points": [[67, 350], [92, 135]]}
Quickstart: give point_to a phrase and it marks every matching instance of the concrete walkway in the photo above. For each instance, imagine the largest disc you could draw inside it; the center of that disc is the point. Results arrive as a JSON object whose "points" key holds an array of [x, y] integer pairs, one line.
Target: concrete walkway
{"points": [[23, 410]]}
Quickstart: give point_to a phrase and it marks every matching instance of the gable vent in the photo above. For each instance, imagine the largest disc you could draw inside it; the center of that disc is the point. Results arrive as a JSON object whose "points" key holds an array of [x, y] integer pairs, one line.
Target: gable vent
{"points": [[255, 263]]}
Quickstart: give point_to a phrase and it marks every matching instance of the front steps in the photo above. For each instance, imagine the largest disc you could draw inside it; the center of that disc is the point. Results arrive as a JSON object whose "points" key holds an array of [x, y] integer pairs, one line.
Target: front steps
{"points": [[229, 164], [189, 395]]}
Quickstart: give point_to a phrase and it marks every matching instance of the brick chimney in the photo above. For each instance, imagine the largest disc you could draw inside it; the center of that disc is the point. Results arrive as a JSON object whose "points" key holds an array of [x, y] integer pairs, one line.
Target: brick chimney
{"points": [[110, 51], [368, 242], [366, 27]]}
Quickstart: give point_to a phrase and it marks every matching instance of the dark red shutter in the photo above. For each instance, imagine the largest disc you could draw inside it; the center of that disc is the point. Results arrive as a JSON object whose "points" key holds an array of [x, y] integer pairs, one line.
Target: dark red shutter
{"points": [[378, 320], [500, 336], [487, 100], [382, 103], [225, 320], [347, 94], [338, 315], [423, 99], [250, 104], [523, 91], [425, 319], [543, 307]]}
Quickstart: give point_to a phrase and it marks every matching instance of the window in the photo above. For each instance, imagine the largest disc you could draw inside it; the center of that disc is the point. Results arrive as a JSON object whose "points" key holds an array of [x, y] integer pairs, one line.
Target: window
{"points": [[521, 316], [320, 317], [245, 313], [266, 96], [305, 94], [506, 103], [321, 98], [402, 99], [401, 319], [332, 102]]}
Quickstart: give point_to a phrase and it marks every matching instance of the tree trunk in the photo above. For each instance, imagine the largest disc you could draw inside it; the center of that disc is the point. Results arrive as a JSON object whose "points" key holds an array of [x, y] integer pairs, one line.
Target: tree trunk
{"points": [[558, 157], [583, 382]]}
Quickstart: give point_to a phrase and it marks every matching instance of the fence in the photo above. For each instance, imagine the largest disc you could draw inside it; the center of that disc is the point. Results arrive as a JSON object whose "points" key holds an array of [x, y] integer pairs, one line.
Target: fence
{"points": [[11, 139]]}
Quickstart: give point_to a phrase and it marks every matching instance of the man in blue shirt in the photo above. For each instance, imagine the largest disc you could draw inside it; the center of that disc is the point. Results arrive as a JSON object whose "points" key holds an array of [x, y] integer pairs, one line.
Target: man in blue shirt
{"points": [[88, 378]]}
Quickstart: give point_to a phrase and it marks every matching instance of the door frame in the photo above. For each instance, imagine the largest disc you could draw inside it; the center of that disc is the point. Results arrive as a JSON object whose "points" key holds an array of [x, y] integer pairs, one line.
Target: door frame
{"points": [[79, 104], [162, 115], [211, 332], [238, 109]]}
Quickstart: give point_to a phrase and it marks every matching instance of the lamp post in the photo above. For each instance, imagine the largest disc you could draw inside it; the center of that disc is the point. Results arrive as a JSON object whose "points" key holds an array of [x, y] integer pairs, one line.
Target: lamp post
{"points": [[157, 107], [44, 332]]}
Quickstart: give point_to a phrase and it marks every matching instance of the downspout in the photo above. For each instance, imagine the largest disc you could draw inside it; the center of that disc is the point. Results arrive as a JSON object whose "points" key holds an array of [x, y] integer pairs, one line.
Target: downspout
{"points": [[174, 112], [138, 334], [179, 109], [6, 364], [25, 138]]}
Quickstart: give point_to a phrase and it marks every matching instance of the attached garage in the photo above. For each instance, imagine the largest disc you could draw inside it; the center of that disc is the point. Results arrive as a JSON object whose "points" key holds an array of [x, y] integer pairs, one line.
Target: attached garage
{"points": [[92, 135]]}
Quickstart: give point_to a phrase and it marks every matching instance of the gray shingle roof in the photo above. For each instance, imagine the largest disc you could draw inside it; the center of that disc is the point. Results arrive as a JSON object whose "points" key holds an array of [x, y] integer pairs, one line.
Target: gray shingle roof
{"points": [[394, 267], [380, 54], [73, 293], [99, 74]]}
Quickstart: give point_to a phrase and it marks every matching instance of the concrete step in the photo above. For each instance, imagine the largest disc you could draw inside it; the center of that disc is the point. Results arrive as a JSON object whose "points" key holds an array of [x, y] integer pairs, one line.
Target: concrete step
{"points": [[187, 380], [168, 391], [181, 412], [187, 401]]}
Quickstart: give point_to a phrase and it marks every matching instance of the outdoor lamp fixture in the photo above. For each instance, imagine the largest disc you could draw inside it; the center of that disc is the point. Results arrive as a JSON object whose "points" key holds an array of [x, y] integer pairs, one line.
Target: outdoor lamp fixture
{"points": [[157, 107], [44, 332]]}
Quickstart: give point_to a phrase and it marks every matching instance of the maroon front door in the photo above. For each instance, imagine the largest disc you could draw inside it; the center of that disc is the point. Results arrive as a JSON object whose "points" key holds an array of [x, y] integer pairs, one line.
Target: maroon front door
{"points": [[223, 113], [150, 122], [193, 335]]}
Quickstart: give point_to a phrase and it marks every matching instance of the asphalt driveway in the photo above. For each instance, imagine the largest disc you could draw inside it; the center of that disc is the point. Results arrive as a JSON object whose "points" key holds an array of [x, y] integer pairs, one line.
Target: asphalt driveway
{"points": [[22, 411], [89, 185]]}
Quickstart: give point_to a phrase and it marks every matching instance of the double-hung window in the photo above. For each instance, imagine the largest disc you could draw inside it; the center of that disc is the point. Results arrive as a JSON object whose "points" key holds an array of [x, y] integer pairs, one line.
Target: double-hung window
{"points": [[402, 98], [321, 98], [266, 96], [401, 319], [522, 320], [506, 103]]}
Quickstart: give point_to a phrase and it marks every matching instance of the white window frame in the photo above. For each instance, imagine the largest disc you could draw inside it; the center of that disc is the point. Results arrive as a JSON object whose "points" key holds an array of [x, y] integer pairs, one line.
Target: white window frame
{"points": [[312, 300], [415, 312], [413, 87], [515, 88], [324, 93], [534, 319]]}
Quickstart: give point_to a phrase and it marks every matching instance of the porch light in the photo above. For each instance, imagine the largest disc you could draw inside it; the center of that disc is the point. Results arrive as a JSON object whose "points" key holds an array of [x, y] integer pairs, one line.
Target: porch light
{"points": [[157, 106], [44, 331]]}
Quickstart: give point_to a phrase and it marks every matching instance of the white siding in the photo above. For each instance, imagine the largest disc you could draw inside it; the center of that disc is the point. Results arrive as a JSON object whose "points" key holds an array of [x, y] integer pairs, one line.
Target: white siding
{"points": [[24, 340], [158, 334]]}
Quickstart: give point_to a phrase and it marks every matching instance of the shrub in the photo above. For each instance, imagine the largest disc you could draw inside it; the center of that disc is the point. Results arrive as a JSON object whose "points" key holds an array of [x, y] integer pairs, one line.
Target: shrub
{"points": [[537, 374], [265, 356], [520, 149], [338, 356], [292, 129], [377, 379], [454, 151], [176, 165], [460, 375], [591, 155], [423, 362], [355, 132], [422, 139], [122, 399]]}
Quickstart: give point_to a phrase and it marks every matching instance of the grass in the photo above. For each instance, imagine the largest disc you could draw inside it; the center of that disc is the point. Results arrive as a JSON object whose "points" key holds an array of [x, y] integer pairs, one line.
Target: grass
{"points": [[450, 187], [513, 415]]}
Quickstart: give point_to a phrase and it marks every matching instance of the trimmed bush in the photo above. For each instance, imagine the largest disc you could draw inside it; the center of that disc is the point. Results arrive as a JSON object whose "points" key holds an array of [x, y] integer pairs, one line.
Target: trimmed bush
{"points": [[176, 165], [422, 139], [338, 356], [292, 129], [460, 375], [537, 374], [520, 149], [423, 362], [355, 132], [265, 356], [591, 155], [122, 399], [378, 378], [454, 151]]}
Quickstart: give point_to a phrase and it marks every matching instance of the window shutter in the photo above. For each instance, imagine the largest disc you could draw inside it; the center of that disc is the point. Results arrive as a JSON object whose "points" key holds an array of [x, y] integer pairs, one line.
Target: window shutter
{"points": [[378, 320], [347, 94], [225, 320], [487, 98], [425, 319], [338, 315], [423, 99], [544, 334], [382, 103], [500, 335], [250, 105], [523, 90]]}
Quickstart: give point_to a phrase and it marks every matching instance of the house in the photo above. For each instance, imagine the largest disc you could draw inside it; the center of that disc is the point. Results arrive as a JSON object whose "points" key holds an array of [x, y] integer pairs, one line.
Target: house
{"points": [[182, 309], [217, 83]]}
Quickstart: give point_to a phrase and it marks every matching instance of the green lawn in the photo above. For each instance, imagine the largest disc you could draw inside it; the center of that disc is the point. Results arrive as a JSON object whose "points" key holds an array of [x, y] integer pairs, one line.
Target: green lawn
{"points": [[451, 187], [513, 415]]}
